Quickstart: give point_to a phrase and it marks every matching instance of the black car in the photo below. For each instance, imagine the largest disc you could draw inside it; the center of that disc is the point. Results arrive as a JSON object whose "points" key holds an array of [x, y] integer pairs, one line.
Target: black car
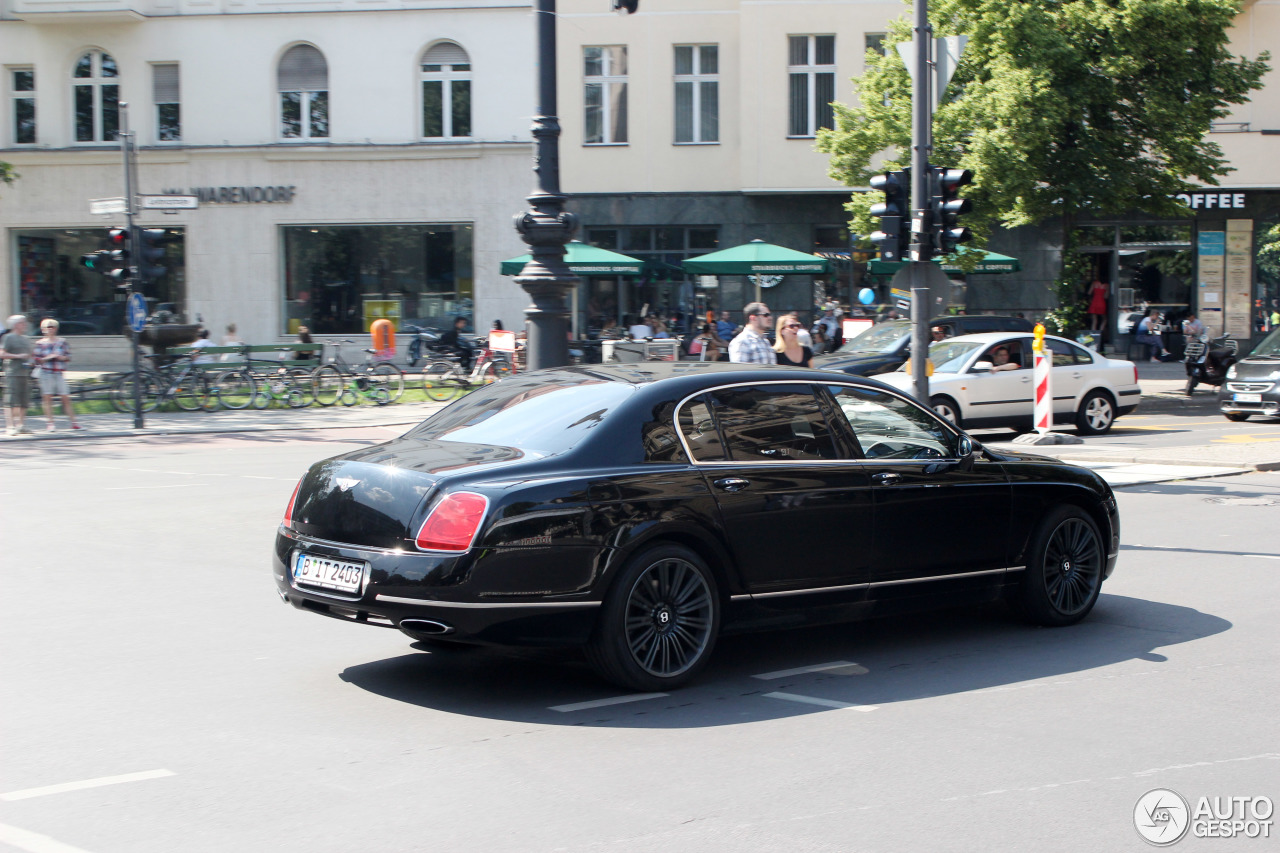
{"points": [[884, 347], [639, 511], [1253, 383]]}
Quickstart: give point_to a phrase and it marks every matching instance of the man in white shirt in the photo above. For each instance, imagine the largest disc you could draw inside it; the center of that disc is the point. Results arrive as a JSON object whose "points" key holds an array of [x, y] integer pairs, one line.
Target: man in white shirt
{"points": [[200, 343], [751, 346]]}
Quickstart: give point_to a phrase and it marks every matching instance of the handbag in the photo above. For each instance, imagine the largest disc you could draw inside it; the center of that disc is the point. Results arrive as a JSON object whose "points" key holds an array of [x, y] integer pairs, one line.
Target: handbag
{"points": [[35, 372]]}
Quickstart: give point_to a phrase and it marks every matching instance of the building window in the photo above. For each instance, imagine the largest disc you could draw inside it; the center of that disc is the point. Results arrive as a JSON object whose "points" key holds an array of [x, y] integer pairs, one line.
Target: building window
{"points": [[697, 95], [446, 92], [303, 81], [165, 92], [605, 80], [96, 96], [52, 283], [875, 43], [339, 278], [22, 86], [811, 67]]}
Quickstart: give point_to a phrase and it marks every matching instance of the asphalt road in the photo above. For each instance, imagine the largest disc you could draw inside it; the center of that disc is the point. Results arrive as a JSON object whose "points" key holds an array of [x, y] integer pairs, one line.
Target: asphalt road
{"points": [[159, 697]]}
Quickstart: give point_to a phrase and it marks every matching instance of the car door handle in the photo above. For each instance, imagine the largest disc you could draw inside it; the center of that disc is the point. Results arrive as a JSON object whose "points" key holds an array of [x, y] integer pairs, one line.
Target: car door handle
{"points": [[732, 484], [1026, 378], [886, 479], [1077, 375]]}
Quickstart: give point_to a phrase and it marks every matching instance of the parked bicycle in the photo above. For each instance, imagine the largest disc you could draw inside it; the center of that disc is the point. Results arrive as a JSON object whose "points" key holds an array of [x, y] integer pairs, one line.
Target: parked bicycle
{"points": [[182, 382], [329, 381], [278, 383], [444, 378]]}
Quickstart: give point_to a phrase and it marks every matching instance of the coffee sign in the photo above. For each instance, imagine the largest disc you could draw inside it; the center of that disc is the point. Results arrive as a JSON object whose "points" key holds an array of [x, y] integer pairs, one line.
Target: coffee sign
{"points": [[1206, 201]]}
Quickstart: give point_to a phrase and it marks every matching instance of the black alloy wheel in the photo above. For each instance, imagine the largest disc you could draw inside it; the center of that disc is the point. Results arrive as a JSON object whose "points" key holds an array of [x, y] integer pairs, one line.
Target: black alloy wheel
{"points": [[1064, 568], [1237, 416], [659, 621]]}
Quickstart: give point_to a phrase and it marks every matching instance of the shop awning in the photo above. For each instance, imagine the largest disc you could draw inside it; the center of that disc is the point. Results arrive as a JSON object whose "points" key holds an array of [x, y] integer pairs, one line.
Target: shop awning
{"points": [[584, 260], [991, 264], [756, 258]]}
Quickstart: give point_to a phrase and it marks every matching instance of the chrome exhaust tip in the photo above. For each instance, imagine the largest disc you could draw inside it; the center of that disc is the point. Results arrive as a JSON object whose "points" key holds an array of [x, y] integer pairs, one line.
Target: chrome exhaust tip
{"points": [[425, 626]]}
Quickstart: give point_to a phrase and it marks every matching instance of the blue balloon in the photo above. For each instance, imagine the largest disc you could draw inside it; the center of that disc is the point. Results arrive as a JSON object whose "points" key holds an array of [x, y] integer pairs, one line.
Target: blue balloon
{"points": [[866, 296]]}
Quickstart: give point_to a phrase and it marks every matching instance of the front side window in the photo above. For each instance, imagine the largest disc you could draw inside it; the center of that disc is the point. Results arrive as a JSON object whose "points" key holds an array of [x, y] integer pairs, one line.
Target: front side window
{"points": [[446, 92], [889, 427], [95, 91], [303, 81], [697, 93], [22, 88], [165, 92], [811, 70], [772, 423], [604, 74]]}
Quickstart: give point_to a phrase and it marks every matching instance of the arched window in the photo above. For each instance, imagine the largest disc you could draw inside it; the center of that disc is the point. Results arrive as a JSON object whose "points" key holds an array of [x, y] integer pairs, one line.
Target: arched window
{"points": [[96, 96], [446, 92], [303, 81]]}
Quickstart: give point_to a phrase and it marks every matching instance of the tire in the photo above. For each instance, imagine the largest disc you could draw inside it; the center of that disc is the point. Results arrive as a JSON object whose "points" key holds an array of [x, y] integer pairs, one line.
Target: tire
{"points": [[122, 394], [502, 368], [153, 388], [192, 394], [235, 389], [1192, 382], [327, 383], [659, 621], [1065, 562], [1237, 416], [300, 394], [390, 377], [440, 380], [947, 409], [1096, 414]]}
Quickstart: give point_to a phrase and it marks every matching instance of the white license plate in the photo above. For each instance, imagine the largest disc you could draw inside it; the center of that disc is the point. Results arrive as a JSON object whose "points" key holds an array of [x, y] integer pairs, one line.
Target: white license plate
{"points": [[1248, 398], [327, 574]]}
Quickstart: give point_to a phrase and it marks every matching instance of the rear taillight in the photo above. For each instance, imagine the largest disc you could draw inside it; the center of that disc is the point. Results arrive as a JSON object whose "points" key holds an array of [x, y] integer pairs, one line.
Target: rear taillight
{"points": [[1135, 374], [288, 511], [453, 523]]}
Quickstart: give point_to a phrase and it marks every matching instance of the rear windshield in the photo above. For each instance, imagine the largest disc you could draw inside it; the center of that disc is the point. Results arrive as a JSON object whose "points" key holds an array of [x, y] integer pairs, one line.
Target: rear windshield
{"points": [[535, 414], [884, 338]]}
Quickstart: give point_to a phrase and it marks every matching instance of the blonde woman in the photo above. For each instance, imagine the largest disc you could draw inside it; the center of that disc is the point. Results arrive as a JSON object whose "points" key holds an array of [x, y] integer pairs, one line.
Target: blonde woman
{"points": [[52, 354], [788, 346]]}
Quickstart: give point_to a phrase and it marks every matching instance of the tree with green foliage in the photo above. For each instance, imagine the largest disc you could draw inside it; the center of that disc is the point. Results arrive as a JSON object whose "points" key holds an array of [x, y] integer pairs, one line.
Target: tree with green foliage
{"points": [[1059, 107], [6, 173]]}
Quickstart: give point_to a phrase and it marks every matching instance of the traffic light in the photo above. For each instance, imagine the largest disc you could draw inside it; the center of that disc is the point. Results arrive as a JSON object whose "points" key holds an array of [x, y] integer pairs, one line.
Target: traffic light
{"points": [[112, 262], [628, 6], [947, 206], [894, 213], [151, 250]]}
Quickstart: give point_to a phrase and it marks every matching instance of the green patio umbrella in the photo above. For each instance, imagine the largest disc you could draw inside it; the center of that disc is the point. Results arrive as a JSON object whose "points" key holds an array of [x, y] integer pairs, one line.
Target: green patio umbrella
{"points": [[991, 264], [584, 260], [756, 258]]}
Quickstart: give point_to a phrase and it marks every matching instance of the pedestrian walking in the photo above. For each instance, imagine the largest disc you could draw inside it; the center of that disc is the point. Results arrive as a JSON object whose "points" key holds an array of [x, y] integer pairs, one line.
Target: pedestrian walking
{"points": [[787, 345], [17, 352], [52, 354], [751, 346]]}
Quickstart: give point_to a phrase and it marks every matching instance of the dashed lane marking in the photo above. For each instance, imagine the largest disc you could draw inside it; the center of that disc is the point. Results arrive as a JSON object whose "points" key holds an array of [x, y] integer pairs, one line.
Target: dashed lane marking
{"points": [[601, 703], [28, 793], [823, 703], [33, 842], [847, 667]]}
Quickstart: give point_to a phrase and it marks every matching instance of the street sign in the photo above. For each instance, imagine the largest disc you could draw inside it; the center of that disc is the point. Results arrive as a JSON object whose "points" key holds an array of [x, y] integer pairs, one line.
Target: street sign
{"points": [[168, 202], [136, 311], [105, 206]]}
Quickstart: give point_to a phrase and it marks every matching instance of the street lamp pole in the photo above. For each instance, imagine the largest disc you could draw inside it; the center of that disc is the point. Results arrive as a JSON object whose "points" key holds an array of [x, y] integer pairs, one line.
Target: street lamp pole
{"points": [[546, 226]]}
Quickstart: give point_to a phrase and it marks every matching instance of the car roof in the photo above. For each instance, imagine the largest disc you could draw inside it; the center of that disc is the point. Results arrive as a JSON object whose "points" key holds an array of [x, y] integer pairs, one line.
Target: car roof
{"points": [[995, 337]]}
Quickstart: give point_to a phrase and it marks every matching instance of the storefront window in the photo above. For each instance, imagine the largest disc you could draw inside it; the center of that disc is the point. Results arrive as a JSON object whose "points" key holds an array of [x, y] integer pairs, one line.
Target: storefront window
{"points": [[663, 289], [340, 278], [53, 283]]}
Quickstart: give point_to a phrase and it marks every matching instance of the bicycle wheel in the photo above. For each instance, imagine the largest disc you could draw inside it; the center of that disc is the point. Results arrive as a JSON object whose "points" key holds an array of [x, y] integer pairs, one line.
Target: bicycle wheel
{"points": [[121, 394], [192, 393], [327, 383], [379, 395], [488, 373], [235, 389], [440, 380], [502, 368], [390, 377], [300, 394], [349, 397]]}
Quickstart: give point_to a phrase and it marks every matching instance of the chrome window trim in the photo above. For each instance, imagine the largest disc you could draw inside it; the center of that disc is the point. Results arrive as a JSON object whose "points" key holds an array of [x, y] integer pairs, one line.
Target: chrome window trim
{"points": [[482, 605], [810, 590], [892, 392], [903, 581]]}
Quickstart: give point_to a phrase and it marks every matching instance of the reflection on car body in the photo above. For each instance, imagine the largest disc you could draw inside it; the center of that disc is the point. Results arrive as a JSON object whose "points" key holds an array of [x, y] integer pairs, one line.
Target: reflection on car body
{"points": [[639, 511]]}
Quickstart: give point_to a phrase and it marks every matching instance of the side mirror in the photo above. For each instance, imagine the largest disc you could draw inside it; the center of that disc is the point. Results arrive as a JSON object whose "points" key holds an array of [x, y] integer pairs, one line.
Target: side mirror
{"points": [[981, 367], [964, 446]]}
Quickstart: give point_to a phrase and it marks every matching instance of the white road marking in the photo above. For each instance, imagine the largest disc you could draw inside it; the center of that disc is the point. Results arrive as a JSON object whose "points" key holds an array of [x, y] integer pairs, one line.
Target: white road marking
{"points": [[601, 703], [169, 486], [86, 783], [1262, 556], [854, 669], [33, 842], [824, 703]]}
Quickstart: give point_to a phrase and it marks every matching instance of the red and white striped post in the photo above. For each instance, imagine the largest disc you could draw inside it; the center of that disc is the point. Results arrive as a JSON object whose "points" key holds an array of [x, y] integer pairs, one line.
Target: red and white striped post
{"points": [[1041, 376]]}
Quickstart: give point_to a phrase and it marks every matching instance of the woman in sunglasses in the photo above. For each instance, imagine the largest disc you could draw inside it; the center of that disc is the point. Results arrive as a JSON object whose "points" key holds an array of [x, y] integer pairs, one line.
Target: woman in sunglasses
{"points": [[788, 347]]}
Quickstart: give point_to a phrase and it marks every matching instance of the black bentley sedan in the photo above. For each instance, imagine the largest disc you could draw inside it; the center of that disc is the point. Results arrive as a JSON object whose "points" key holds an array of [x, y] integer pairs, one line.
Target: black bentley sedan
{"points": [[639, 511]]}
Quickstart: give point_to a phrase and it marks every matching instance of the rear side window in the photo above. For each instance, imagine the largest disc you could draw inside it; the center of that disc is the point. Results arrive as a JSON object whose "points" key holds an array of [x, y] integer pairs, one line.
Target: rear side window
{"points": [[1062, 354], [773, 423], [699, 431]]}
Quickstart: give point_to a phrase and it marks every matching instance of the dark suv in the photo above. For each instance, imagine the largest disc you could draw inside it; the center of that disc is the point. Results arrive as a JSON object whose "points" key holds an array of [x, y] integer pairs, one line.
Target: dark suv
{"points": [[886, 346]]}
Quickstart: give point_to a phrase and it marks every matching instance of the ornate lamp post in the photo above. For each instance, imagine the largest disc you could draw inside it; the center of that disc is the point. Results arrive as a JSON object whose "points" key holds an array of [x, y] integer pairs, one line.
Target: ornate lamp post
{"points": [[547, 226]]}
